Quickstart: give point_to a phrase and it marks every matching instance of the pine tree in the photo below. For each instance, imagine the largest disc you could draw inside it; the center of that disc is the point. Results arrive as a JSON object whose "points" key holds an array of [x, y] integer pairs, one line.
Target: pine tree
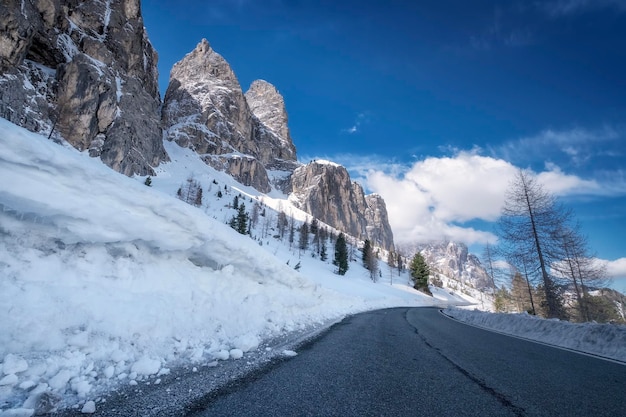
{"points": [[419, 273], [303, 242], [148, 181], [236, 202], [198, 200], [341, 255], [242, 219], [367, 253], [323, 254]]}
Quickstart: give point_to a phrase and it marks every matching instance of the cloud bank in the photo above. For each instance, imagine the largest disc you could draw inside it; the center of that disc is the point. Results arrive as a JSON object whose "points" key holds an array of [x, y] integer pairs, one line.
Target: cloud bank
{"points": [[437, 197]]}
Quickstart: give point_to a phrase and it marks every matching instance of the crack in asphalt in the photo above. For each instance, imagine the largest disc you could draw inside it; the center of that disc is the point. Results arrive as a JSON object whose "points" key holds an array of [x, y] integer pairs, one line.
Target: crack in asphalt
{"points": [[500, 397]]}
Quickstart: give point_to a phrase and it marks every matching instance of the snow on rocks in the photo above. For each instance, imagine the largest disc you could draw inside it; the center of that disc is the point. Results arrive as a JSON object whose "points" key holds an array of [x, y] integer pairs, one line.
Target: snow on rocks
{"points": [[289, 353], [236, 353], [146, 366], [10, 379], [88, 408], [13, 364]]}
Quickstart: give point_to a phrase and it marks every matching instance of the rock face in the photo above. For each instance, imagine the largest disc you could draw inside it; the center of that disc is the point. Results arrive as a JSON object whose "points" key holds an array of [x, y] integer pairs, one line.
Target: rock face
{"points": [[205, 109], [453, 260], [378, 228], [325, 190], [268, 105], [86, 70]]}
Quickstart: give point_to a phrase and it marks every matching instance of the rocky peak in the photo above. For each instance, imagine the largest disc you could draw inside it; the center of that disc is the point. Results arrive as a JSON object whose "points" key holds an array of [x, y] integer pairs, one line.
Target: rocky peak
{"points": [[324, 190], [454, 260], [205, 109], [88, 69], [268, 105]]}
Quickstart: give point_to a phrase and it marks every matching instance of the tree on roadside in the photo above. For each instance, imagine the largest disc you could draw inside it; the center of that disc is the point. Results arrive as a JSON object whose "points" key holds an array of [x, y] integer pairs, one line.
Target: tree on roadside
{"points": [[578, 268], [527, 225], [419, 273]]}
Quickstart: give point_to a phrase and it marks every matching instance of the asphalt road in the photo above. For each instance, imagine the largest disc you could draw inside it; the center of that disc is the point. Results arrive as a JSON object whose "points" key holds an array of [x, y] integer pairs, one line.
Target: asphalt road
{"points": [[416, 362]]}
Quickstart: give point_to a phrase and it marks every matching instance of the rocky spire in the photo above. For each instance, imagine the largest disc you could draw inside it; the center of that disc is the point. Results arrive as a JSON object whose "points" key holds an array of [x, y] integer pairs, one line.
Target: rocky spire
{"points": [[88, 69], [268, 105]]}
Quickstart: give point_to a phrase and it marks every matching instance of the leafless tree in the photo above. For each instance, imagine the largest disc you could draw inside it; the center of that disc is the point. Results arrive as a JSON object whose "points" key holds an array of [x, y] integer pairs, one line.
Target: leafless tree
{"points": [[527, 226], [577, 266]]}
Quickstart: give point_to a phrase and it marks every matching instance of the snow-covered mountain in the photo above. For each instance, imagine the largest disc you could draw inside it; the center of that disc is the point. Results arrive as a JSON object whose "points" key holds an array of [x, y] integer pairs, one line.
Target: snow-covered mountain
{"points": [[85, 73], [453, 260]]}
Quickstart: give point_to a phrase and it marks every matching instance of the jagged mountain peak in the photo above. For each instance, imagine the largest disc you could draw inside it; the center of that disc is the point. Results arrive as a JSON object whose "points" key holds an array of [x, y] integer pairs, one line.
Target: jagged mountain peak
{"points": [[268, 105]]}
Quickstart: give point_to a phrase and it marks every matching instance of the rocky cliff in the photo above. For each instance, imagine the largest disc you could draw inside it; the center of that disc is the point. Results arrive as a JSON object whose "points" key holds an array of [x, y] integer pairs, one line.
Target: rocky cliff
{"points": [[205, 109], [454, 261], [87, 71], [324, 190]]}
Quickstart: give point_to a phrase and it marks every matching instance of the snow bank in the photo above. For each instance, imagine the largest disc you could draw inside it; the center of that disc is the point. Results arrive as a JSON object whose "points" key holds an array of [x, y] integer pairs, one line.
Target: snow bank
{"points": [[608, 340], [105, 282]]}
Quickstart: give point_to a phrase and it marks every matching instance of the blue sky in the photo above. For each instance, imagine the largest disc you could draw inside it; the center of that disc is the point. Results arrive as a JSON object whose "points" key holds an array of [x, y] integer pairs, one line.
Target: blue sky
{"points": [[433, 104]]}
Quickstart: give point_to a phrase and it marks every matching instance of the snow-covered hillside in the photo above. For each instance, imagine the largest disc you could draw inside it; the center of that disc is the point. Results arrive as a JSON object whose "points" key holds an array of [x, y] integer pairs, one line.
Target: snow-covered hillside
{"points": [[106, 282]]}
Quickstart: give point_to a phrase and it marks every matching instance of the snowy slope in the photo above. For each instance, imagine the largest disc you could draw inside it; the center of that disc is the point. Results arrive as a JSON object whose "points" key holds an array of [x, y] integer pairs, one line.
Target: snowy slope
{"points": [[105, 281]]}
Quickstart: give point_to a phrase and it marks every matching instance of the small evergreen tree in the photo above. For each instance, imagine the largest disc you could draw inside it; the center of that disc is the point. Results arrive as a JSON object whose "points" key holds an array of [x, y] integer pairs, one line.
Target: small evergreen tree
{"points": [[367, 253], [297, 267], [341, 255], [242, 219], [314, 226], [198, 200], [148, 181], [323, 254], [419, 273], [236, 202], [303, 242], [219, 193]]}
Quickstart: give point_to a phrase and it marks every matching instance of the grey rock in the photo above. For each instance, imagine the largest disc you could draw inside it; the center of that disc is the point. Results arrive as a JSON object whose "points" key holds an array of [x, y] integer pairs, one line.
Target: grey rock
{"points": [[378, 228], [93, 76], [326, 192], [453, 260], [268, 105], [246, 170], [205, 110]]}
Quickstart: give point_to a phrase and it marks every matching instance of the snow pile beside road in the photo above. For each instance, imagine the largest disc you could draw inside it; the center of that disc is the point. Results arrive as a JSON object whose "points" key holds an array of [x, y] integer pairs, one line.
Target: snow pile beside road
{"points": [[608, 340], [106, 283]]}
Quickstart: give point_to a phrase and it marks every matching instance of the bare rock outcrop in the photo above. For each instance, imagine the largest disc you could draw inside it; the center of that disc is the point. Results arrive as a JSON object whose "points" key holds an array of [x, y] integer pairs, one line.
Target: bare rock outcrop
{"points": [[268, 106], [324, 190], [454, 260], [206, 110], [86, 70]]}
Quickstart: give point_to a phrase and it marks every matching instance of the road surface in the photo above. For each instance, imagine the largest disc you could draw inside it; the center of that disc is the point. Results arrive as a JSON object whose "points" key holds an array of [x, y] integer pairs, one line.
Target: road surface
{"points": [[417, 362]]}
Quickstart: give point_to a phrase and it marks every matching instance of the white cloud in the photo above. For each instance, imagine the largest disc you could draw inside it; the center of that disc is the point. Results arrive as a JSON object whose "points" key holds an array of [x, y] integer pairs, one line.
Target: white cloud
{"points": [[433, 198], [360, 119], [427, 200], [558, 183], [616, 268]]}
